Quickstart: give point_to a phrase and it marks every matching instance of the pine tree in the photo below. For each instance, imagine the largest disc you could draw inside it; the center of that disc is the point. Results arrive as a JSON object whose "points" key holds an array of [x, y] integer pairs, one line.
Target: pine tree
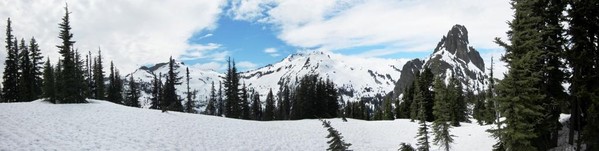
{"points": [[211, 107], [115, 86], [415, 102], [133, 93], [49, 89], [155, 99], [70, 86], [232, 100], [189, 105], [245, 105], [26, 78], [519, 95], [403, 109], [457, 103], [11, 67], [99, 84], [37, 67], [584, 60], [441, 108], [336, 143], [388, 110], [406, 147], [269, 109], [491, 104], [256, 106], [220, 106], [169, 96], [422, 135]]}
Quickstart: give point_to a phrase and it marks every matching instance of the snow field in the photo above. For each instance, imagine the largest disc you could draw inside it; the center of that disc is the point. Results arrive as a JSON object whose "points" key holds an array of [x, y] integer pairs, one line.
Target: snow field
{"points": [[102, 125]]}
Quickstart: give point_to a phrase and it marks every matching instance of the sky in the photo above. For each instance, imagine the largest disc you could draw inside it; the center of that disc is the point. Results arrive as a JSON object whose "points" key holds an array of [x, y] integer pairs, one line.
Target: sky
{"points": [[255, 33]]}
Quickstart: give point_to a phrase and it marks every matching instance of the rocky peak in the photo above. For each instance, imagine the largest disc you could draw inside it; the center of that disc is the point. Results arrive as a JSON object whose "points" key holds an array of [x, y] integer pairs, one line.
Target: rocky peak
{"points": [[456, 42]]}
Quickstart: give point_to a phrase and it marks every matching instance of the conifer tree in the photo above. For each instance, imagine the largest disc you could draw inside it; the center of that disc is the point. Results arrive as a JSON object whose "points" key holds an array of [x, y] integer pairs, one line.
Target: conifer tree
{"points": [[155, 99], [583, 58], [133, 93], [406, 147], [220, 106], [99, 84], [170, 99], [232, 100], [211, 107], [519, 95], [415, 102], [388, 110], [37, 67], [11, 67], [441, 125], [269, 109], [245, 105], [189, 105], [49, 89], [70, 84], [422, 135], [403, 108], [115, 88], [457, 103], [27, 77], [336, 143], [256, 106]]}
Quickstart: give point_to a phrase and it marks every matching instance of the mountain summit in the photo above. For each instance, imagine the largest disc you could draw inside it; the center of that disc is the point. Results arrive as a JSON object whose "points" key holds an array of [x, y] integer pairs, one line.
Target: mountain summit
{"points": [[452, 56]]}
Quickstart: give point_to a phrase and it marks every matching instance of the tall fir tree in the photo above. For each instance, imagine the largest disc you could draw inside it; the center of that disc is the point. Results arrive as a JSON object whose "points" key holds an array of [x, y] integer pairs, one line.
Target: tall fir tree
{"points": [[133, 93], [441, 108], [584, 61], [100, 86], [269, 108], [189, 105], [211, 107], [27, 77], [70, 86], [220, 105], [232, 100], [336, 143], [49, 88], [458, 104], [115, 87], [170, 100], [422, 135], [245, 105], [519, 95], [37, 67], [156, 91], [10, 78], [256, 106]]}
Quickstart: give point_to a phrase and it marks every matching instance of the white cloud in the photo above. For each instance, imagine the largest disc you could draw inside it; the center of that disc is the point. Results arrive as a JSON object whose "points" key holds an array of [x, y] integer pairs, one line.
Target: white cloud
{"points": [[401, 25], [272, 52], [215, 66], [129, 32]]}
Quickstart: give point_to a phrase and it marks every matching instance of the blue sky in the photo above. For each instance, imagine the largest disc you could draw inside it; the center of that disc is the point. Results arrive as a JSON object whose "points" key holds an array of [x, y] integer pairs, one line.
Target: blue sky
{"points": [[203, 33]]}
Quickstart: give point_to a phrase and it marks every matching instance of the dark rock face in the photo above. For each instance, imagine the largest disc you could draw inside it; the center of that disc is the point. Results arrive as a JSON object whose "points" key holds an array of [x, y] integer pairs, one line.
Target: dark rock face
{"points": [[458, 54]]}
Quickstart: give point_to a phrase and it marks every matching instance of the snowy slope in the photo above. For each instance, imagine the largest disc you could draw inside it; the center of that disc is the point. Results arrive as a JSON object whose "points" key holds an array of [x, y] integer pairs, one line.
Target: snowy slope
{"points": [[355, 77], [102, 125]]}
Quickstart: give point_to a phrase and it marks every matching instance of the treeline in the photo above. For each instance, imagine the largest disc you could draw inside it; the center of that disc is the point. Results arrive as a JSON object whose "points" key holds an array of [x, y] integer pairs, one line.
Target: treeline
{"points": [[313, 98], [73, 79]]}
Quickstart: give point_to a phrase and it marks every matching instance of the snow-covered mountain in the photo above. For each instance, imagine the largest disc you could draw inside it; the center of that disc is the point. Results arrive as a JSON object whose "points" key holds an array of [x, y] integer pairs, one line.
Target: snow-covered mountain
{"points": [[452, 56], [200, 80], [355, 77]]}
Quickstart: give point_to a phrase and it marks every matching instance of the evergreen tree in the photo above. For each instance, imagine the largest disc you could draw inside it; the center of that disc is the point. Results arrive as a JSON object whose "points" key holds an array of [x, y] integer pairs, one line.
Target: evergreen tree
{"points": [[49, 89], [426, 83], [406, 147], [245, 105], [133, 94], [336, 143], [458, 105], [115, 86], [256, 106], [519, 95], [170, 99], [584, 61], [11, 67], [211, 107], [37, 67], [189, 105], [269, 109], [27, 77], [422, 135], [415, 102], [155, 99], [99, 84], [221, 103], [232, 100], [441, 125], [69, 78], [388, 110], [403, 108]]}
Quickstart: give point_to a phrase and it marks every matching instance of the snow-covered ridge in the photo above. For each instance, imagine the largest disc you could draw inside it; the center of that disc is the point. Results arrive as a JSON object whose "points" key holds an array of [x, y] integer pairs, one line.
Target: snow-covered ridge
{"points": [[356, 77]]}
